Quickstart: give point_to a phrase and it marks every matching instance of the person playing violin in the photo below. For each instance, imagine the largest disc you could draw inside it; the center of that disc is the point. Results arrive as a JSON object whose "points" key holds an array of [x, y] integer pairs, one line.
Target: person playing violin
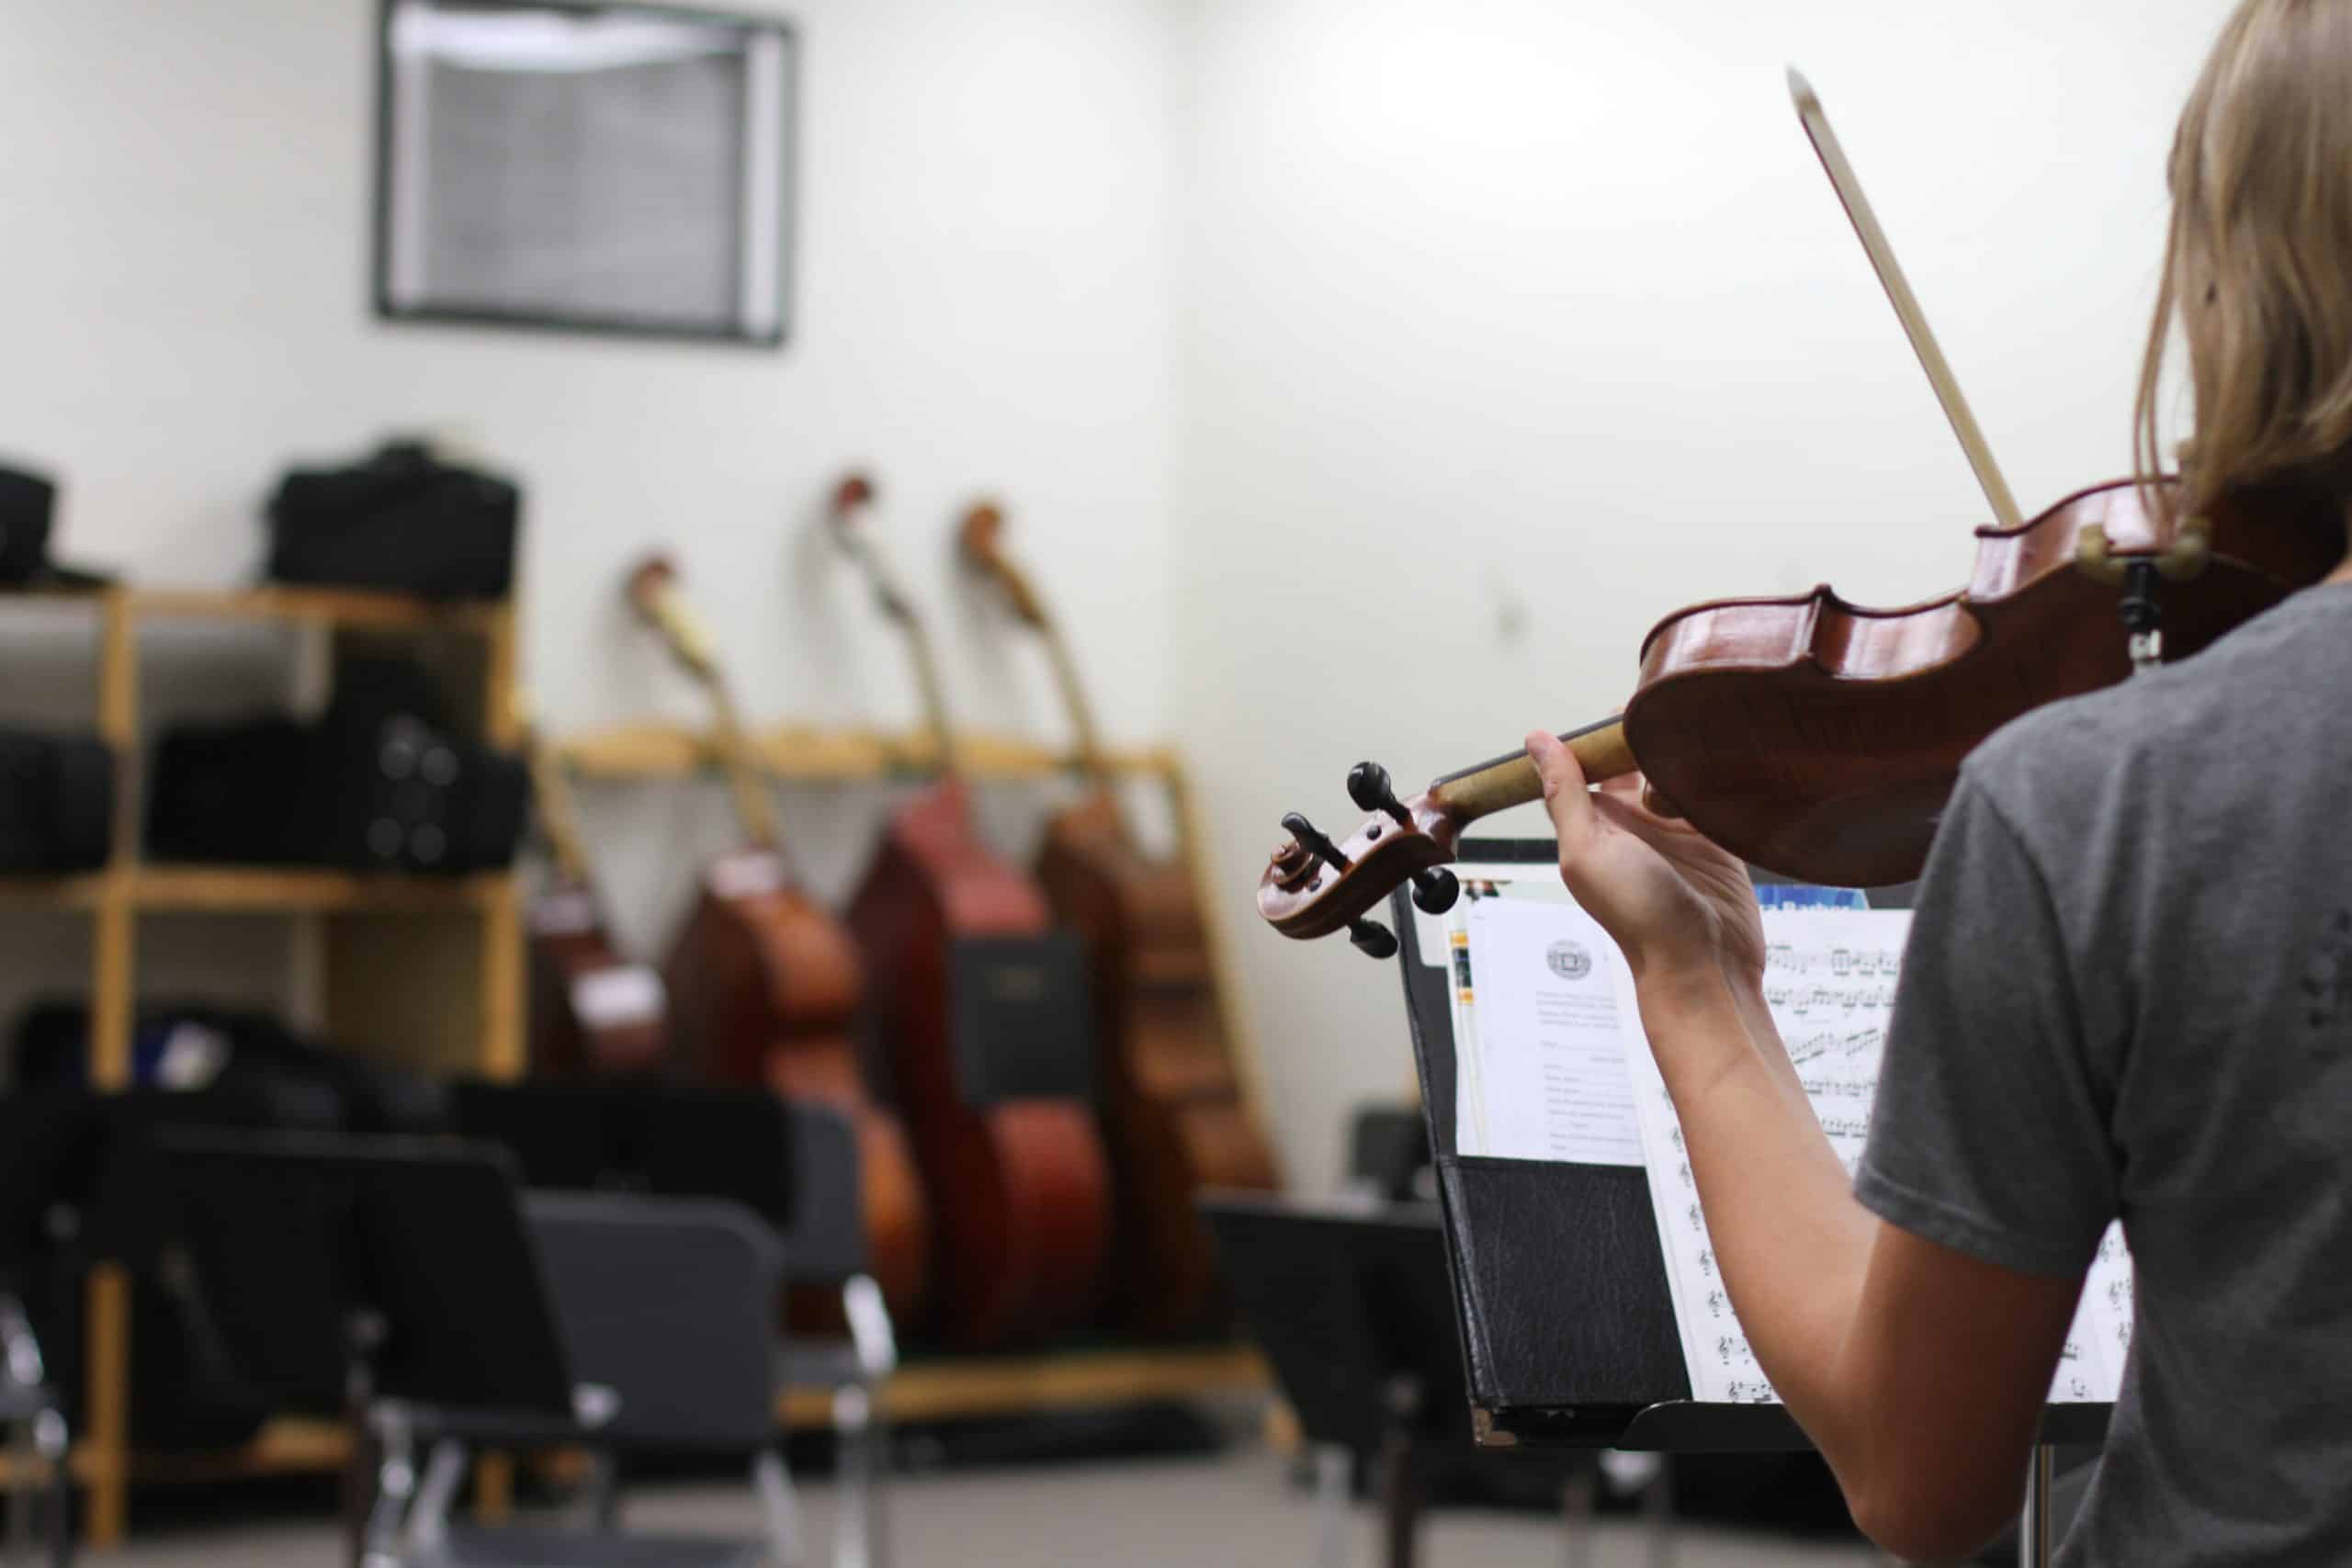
{"points": [[2128, 988]]}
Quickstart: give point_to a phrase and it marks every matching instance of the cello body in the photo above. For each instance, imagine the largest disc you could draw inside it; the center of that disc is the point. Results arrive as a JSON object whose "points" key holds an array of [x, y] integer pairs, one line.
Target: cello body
{"points": [[1019, 1189], [1174, 1113], [766, 988], [591, 1011]]}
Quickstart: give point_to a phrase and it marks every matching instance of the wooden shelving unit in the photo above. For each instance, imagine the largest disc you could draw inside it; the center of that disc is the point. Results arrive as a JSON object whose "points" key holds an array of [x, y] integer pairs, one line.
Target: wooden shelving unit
{"points": [[381, 931], [378, 934]]}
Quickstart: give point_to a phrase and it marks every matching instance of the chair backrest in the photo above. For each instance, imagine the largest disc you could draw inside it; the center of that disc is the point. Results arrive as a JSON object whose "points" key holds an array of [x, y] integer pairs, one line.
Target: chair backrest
{"points": [[795, 1163], [825, 1243], [567, 1136], [671, 1304], [293, 1238]]}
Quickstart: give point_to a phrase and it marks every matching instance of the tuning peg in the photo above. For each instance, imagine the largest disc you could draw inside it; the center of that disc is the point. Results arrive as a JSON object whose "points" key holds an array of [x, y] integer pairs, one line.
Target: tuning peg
{"points": [[1368, 786], [1373, 937], [1321, 847], [1435, 891]]}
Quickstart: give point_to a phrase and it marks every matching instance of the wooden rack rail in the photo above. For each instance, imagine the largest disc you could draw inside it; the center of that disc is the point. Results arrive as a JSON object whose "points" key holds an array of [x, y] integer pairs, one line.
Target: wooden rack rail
{"points": [[800, 752]]}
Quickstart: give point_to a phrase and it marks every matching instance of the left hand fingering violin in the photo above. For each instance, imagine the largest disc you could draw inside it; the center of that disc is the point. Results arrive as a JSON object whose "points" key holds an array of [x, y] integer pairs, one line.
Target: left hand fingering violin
{"points": [[1820, 740]]}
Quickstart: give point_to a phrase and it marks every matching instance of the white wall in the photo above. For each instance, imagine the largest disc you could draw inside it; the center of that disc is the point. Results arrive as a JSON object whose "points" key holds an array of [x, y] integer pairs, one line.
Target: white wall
{"points": [[983, 305], [1365, 376], [1512, 325]]}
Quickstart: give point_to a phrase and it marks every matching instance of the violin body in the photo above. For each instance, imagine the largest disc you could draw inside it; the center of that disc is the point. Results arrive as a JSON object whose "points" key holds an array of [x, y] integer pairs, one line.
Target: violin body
{"points": [[1819, 739], [766, 986], [1174, 1113], [1019, 1189], [590, 1009]]}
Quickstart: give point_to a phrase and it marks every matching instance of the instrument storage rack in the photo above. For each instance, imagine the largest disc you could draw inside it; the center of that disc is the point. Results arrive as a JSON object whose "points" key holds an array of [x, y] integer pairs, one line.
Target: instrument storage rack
{"points": [[948, 1388], [472, 926], [373, 930]]}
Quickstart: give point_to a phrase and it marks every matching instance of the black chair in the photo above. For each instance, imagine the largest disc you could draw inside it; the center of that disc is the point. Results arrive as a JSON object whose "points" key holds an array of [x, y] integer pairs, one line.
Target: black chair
{"points": [[666, 1311], [793, 1163]]}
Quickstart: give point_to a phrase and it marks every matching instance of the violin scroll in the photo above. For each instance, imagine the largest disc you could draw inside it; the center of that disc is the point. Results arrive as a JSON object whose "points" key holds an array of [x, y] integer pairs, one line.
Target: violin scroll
{"points": [[1314, 885]]}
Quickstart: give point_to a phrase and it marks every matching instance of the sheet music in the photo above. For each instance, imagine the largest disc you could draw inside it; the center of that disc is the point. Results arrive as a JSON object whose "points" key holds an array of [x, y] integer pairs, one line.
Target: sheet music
{"points": [[1830, 983], [1539, 1048]]}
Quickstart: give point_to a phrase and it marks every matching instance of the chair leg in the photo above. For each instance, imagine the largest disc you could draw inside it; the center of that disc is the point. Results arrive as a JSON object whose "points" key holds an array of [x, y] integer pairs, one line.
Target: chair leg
{"points": [[604, 1491], [786, 1541], [861, 1538], [388, 1513], [1334, 1466], [1580, 1501], [445, 1472], [54, 1443], [1658, 1511]]}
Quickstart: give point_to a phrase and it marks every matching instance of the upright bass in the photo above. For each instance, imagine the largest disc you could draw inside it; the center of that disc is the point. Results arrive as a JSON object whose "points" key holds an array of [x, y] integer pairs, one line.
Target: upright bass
{"points": [[1819, 738], [766, 985], [1177, 1121], [592, 1009], [983, 1011]]}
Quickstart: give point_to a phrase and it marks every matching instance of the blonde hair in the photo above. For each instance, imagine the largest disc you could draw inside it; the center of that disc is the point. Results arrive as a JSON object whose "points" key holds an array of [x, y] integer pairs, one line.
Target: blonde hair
{"points": [[2258, 263]]}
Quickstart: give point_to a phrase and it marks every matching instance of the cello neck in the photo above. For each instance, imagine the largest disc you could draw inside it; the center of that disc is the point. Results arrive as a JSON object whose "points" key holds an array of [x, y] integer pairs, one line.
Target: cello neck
{"points": [[558, 816], [655, 593], [981, 540], [855, 537]]}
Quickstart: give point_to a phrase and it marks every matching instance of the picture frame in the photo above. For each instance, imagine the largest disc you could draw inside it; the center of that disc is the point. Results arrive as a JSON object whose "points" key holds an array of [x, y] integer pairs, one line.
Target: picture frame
{"points": [[584, 166]]}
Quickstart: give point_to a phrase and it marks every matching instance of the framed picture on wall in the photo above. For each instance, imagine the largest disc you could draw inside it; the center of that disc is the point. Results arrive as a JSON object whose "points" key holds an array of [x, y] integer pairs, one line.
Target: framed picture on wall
{"points": [[618, 168]]}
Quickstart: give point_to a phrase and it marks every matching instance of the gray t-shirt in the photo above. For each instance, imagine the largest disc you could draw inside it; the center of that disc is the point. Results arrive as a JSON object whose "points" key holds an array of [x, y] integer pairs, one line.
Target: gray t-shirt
{"points": [[2127, 992]]}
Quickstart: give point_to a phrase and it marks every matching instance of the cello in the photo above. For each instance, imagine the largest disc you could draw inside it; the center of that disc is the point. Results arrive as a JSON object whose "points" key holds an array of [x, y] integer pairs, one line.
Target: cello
{"points": [[1173, 1109], [591, 1011], [982, 1009], [1819, 738], [766, 984]]}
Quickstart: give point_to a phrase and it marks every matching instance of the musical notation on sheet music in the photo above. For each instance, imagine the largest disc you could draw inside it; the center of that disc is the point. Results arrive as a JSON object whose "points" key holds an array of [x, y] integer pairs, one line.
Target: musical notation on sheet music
{"points": [[1830, 976], [1830, 984]]}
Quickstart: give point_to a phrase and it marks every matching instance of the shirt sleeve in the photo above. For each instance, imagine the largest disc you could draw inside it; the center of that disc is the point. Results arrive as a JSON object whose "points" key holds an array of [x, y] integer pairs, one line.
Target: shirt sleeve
{"points": [[1989, 1136]]}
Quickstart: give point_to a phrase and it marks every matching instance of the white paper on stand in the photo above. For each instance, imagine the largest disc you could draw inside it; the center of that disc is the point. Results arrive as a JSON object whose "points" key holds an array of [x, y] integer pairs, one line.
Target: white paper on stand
{"points": [[1539, 1048], [1829, 984]]}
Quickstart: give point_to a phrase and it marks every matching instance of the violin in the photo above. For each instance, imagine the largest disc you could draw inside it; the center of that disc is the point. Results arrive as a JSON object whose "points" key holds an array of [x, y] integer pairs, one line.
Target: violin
{"points": [[766, 985], [971, 1006], [592, 1009], [1171, 1104], [1817, 739]]}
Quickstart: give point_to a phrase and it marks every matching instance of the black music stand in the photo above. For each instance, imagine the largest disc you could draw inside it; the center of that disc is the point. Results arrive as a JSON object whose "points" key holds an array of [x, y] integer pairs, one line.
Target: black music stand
{"points": [[376, 1274], [1566, 1327], [1351, 1303]]}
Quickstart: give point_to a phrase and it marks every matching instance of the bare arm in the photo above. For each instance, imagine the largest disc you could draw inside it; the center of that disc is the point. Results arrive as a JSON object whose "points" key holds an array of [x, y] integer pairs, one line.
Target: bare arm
{"points": [[1918, 1371]]}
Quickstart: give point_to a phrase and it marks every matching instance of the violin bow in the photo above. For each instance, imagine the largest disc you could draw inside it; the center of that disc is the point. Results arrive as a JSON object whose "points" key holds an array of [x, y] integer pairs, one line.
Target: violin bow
{"points": [[1906, 304]]}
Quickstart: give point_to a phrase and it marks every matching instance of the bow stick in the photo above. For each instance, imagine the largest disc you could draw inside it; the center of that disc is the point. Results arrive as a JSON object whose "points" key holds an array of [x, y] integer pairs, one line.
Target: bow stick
{"points": [[1906, 303]]}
